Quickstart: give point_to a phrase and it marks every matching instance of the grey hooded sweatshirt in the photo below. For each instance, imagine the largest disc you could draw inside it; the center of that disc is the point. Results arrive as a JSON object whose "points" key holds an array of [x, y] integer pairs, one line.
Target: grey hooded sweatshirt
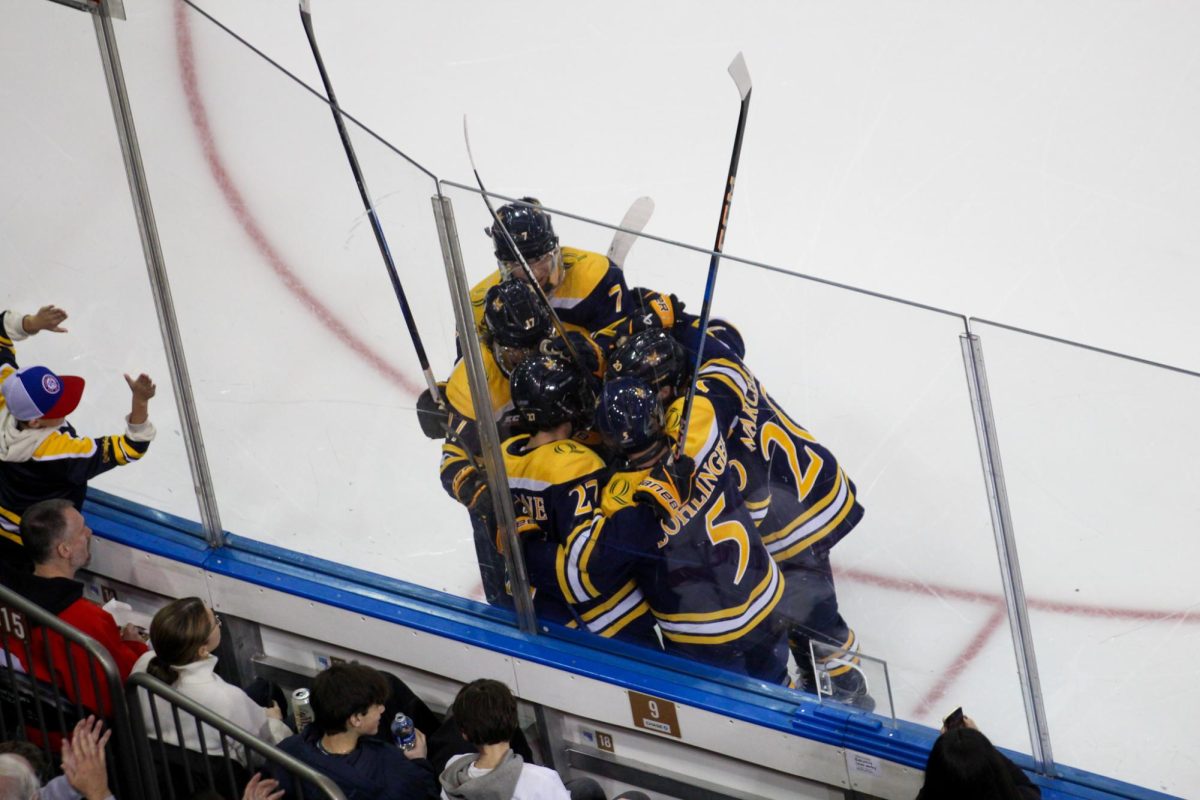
{"points": [[499, 784]]}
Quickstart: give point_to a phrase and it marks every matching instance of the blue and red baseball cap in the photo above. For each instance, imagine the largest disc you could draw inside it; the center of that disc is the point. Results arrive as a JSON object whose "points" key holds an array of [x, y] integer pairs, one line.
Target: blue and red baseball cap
{"points": [[35, 392]]}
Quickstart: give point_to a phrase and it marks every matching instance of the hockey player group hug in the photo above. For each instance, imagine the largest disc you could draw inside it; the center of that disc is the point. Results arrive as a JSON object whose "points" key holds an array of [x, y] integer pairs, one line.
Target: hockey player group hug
{"points": [[717, 551]]}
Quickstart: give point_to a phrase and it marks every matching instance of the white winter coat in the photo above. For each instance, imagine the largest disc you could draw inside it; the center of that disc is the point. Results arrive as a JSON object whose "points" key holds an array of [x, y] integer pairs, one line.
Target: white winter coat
{"points": [[199, 682]]}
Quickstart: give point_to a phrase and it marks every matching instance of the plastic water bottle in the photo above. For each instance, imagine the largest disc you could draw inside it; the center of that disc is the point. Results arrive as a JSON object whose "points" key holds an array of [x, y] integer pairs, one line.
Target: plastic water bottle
{"points": [[301, 709], [404, 732]]}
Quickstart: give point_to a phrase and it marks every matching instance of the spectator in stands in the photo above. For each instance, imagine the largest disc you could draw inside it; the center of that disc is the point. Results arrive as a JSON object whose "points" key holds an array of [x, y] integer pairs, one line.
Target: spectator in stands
{"points": [[963, 763], [17, 779], [348, 705], [85, 772], [41, 456], [448, 742], [262, 788], [30, 752], [486, 712], [59, 543], [184, 635], [259, 788]]}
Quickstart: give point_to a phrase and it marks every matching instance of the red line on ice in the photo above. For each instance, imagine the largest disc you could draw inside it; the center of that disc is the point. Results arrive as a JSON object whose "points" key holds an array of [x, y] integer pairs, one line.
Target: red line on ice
{"points": [[993, 622], [237, 204], [969, 653], [1053, 606], [305, 295]]}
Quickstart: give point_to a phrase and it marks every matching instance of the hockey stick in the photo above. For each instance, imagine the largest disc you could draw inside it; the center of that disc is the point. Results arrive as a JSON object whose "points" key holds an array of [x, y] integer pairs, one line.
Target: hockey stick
{"points": [[633, 223], [741, 77], [512, 244], [335, 109]]}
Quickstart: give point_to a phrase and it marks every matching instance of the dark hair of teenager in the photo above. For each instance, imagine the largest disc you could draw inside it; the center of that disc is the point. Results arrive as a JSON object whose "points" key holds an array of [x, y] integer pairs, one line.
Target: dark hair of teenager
{"points": [[486, 712], [42, 526], [344, 690], [177, 632], [963, 763], [28, 751]]}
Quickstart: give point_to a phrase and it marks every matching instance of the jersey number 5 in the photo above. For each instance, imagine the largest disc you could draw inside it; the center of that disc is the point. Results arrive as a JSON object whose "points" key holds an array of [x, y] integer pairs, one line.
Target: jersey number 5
{"points": [[772, 434], [730, 531]]}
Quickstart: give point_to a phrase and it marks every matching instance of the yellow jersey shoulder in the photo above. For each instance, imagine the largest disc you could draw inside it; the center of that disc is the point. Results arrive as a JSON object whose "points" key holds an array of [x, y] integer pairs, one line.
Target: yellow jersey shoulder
{"points": [[618, 492], [701, 426], [479, 294], [458, 389], [583, 271], [563, 461], [61, 445]]}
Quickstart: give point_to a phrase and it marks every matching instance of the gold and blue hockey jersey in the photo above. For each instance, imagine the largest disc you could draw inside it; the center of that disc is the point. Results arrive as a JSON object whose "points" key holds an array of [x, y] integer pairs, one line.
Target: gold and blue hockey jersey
{"points": [[591, 296], [43, 464], [711, 584], [555, 489], [459, 475], [799, 494]]}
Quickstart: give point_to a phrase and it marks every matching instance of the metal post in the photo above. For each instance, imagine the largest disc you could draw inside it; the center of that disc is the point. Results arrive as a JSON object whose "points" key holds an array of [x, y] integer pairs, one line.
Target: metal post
{"points": [[489, 435], [156, 266], [1006, 550]]}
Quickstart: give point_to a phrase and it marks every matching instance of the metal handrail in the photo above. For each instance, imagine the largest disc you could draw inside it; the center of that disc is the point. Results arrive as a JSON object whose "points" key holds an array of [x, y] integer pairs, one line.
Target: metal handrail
{"points": [[125, 766], [181, 702]]}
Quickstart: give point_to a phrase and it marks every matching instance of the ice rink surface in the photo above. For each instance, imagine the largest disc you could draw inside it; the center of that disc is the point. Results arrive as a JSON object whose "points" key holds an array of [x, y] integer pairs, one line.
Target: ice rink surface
{"points": [[1029, 163]]}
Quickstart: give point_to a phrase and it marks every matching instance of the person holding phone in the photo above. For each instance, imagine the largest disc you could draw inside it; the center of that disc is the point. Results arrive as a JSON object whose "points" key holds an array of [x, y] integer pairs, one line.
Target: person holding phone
{"points": [[964, 763]]}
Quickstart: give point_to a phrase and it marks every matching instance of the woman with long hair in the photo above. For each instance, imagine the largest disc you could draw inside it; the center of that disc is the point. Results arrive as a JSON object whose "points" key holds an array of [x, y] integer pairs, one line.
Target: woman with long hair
{"points": [[184, 635], [965, 764]]}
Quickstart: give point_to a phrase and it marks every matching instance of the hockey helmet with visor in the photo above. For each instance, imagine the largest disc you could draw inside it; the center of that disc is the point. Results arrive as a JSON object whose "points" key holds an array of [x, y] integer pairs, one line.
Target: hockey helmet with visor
{"points": [[652, 355], [515, 321], [630, 415], [548, 391]]}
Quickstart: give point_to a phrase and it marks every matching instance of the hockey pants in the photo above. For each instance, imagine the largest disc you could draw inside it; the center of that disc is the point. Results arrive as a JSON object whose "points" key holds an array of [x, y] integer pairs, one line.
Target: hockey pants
{"points": [[810, 606]]}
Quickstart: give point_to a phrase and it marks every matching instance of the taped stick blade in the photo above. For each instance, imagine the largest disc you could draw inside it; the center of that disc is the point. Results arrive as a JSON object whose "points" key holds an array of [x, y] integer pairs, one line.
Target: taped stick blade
{"points": [[740, 74], [467, 139], [635, 219]]}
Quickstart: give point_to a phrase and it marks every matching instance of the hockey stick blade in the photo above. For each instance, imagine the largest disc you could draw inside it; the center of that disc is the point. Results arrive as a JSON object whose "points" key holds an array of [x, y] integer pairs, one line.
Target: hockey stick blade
{"points": [[633, 223], [741, 75]]}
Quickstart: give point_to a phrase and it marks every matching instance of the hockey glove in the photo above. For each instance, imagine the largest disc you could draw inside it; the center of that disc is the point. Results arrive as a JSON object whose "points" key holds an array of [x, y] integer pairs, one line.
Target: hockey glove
{"points": [[657, 310], [472, 491], [651, 310], [526, 527], [668, 487], [434, 419]]}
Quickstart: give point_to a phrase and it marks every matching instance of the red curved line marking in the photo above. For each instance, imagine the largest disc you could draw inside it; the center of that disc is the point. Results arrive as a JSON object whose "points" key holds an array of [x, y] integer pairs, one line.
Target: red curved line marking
{"points": [[1052, 606], [233, 197], [969, 653], [237, 204], [975, 646]]}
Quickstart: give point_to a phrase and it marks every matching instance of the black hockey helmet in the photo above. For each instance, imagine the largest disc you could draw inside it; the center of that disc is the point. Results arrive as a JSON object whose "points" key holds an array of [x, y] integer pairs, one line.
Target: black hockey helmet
{"points": [[652, 355], [630, 415], [514, 315], [530, 228], [548, 391]]}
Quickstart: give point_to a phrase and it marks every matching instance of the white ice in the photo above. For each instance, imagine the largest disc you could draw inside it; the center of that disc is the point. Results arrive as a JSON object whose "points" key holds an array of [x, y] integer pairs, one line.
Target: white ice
{"points": [[1030, 163]]}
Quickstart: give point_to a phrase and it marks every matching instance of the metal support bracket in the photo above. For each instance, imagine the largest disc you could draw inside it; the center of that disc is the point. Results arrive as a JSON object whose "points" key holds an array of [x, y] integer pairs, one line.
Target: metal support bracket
{"points": [[1006, 551], [160, 287], [489, 434]]}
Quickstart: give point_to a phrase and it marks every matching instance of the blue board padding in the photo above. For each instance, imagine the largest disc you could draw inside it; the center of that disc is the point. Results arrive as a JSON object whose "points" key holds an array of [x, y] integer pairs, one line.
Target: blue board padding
{"points": [[618, 663]]}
